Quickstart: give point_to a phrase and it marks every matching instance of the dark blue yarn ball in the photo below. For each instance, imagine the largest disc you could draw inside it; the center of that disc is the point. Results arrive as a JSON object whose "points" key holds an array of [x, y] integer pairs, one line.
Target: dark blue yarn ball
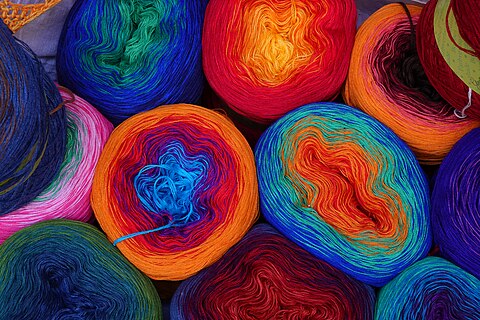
{"points": [[32, 128], [125, 57], [456, 204]]}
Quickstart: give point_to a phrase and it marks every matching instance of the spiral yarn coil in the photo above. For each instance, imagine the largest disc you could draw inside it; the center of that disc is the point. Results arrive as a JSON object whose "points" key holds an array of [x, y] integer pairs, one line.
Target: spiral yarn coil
{"points": [[62, 269], [174, 189], [445, 80], [387, 81], [32, 125], [456, 204], [431, 289], [345, 188], [68, 196], [265, 58], [125, 57], [265, 276]]}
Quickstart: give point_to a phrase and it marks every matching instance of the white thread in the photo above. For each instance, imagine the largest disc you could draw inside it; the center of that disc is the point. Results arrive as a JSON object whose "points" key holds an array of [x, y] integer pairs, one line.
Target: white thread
{"points": [[469, 104]]}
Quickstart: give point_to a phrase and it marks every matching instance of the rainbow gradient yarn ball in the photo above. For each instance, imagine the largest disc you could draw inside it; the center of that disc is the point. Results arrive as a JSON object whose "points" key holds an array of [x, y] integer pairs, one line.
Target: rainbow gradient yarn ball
{"points": [[175, 188], [345, 188], [431, 289], [266, 276], [62, 269], [126, 56]]}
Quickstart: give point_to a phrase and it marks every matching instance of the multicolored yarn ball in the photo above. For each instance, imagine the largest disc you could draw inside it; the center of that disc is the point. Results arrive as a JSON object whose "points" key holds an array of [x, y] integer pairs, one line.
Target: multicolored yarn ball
{"points": [[175, 188], [265, 276], [62, 269], [68, 196], [431, 289], [345, 188], [265, 58], [449, 49], [125, 57], [456, 204], [32, 125], [387, 81]]}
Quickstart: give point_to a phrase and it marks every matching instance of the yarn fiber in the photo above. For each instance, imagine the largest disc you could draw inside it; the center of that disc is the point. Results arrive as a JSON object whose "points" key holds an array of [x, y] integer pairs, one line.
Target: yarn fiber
{"points": [[174, 189], [456, 204], [68, 196], [265, 58], [265, 276], [431, 289], [62, 269], [32, 125], [387, 81], [443, 78], [345, 188], [125, 56]]}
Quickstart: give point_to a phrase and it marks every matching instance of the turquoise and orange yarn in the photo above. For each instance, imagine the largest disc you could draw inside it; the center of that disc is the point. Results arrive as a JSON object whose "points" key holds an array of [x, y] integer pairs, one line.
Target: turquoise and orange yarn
{"points": [[345, 188]]}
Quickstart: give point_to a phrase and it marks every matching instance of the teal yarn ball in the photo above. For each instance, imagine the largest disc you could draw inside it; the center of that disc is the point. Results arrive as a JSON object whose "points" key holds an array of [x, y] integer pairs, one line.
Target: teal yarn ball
{"points": [[125, 57], [62, 269], [344, 187], [431, 289]]}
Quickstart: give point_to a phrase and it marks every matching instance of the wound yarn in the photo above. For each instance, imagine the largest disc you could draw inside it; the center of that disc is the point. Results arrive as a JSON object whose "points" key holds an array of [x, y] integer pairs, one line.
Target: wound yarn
{"points": [[345, 188], [456, 204], [68, 196], [266, 276], [62, 269], [265, 58], [125, 57], [174, 189], [32, 125], [431, 289], [446, 81], [387, 81]]}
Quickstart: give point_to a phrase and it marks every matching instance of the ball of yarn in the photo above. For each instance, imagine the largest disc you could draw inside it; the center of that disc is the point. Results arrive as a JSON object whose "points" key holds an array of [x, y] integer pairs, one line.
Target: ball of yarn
{"points": [[465, 14], [345, 188], [456, 204], [125, 57], [432, 288], [68, 196], [175, 188], [265, 276], [62, 269], [32, 125], [387, 81], [265, 58]]}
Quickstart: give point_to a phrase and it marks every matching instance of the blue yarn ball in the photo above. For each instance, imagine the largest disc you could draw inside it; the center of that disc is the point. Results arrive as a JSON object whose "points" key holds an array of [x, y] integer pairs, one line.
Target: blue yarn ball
{"points": [[62, 269], [430, 289], [32, 125], [456, 204], [125, 57]]}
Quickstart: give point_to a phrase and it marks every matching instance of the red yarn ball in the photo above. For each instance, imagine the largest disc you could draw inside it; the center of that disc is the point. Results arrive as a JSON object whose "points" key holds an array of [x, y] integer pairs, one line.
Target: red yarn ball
{"points": [[440, 74], [265, 58]]}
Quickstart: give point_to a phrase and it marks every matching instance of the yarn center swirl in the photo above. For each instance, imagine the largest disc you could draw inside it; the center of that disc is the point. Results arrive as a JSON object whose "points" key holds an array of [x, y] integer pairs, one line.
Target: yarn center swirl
{"points": [[276, 41], [170, 186]]}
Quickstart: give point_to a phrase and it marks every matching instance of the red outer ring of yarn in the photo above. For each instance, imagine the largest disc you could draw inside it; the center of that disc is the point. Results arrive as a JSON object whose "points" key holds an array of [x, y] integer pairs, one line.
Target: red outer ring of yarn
{"points": [[439, 73], [318, 80]]}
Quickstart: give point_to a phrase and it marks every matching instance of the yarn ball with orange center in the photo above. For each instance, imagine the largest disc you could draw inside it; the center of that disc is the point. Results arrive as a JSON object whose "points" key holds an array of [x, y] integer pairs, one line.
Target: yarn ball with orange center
{"points": [[387, 81], [174, 189], [265, 58]]}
